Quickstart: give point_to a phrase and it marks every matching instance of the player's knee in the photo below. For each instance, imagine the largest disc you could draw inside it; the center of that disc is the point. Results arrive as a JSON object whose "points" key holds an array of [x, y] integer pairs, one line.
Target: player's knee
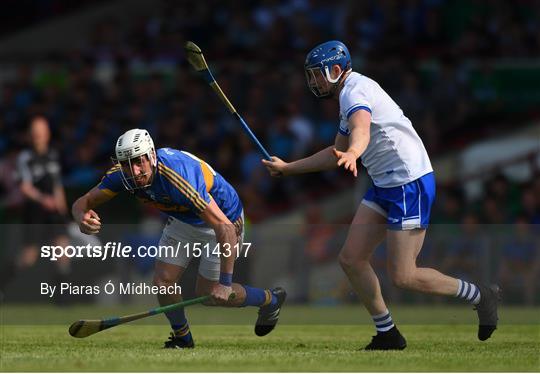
{"points": [[163, 279], [345, 261], [401, 279], [351, 263], [203, 290]]}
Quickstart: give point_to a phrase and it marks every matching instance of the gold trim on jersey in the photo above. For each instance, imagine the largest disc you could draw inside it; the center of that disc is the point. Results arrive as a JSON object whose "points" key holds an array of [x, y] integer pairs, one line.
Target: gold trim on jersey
{"points": [[183, 186], [114, 169], [207, 175], [108, 192]]}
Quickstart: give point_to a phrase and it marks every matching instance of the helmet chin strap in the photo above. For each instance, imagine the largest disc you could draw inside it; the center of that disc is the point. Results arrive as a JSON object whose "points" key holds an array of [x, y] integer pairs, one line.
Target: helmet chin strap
{"points": [[329, 78], [153, 161], [152, 158]]}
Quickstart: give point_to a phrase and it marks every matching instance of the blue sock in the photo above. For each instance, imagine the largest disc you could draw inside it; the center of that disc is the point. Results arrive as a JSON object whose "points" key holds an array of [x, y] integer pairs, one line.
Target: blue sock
{"points": [[258, 297], [179, 324]]}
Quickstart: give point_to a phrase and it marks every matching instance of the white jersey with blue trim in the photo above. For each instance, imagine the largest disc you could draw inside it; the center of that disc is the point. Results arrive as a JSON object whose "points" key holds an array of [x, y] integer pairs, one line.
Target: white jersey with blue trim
{"points": [[395, 154]]}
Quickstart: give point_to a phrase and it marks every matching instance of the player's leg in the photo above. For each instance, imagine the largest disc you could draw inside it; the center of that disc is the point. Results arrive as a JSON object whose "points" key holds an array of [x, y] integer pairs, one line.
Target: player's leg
{"points": [[403, 249], [411, 209], [204, 287], [367, 231], [169, 267], [268, 301], [166, 274]]}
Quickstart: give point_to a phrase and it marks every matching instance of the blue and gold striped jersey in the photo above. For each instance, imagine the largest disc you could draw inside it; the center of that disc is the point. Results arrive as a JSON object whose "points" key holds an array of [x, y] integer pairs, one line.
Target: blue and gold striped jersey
{"points": [[182, 187]]}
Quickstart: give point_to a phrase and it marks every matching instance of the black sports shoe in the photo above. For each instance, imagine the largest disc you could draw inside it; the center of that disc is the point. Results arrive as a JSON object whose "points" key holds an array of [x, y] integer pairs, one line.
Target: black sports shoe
{"points": [[269, 315], [487, 310], [175, 342], [386, 341]]}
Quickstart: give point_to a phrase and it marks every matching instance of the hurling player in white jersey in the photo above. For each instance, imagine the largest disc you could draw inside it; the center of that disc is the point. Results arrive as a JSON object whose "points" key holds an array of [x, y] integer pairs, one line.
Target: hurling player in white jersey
{"points": [[397, 206]]}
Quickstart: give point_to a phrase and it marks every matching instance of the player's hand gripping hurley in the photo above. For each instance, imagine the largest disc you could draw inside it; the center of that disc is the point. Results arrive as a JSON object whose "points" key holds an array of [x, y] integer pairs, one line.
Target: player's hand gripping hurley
{"points": [[196, 59]]}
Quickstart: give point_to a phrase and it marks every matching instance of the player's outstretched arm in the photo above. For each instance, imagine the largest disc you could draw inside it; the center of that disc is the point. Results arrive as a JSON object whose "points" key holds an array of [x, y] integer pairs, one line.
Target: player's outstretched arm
{"points": [[227, 240], [322, 160], [83, 213]]}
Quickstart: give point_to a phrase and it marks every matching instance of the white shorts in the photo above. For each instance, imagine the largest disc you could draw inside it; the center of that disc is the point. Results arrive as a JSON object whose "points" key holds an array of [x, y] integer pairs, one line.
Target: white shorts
{"points": [[186, 237]]}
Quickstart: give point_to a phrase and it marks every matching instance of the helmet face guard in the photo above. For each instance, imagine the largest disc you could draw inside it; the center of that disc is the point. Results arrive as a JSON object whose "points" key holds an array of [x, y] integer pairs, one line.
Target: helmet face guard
{"points": [[319, 63], [317, 82], [127, 171], [320, 82]]}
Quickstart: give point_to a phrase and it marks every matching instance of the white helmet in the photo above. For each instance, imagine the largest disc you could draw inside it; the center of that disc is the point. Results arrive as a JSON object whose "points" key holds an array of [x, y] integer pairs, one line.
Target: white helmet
{"points": [[130, 146]]}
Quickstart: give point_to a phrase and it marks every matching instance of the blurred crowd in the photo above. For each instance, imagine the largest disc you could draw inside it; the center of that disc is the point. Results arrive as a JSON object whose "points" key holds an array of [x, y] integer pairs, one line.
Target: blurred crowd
{"points": [[435, 57]]}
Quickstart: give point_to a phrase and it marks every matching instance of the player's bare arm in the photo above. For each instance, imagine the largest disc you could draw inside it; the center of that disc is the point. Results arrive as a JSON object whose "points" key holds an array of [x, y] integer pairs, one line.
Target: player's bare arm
{"points": [[359, 124], [83, 213], [322, 160], [226, 238]]}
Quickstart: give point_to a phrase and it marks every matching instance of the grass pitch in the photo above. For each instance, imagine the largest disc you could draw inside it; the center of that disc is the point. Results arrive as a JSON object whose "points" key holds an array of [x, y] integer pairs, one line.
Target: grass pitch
{"points": [[291, 347]]}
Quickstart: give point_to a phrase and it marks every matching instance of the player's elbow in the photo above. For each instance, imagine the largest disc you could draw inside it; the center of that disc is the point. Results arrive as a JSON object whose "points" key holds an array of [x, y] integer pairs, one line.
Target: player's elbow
{"points": [[225, 230]]}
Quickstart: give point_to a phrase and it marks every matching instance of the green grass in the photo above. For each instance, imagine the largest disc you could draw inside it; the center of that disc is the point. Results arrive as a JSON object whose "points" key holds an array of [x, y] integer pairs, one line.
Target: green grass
{"points": [[291, 347]]}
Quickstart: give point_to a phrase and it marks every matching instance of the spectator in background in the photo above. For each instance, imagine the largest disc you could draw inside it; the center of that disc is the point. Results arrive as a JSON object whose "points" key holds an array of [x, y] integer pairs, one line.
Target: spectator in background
{"points": [[504, 193], [493, 211], [45, 209], [520, 266], [281, 138], [530, 204], [451, 209], [301, 128]]}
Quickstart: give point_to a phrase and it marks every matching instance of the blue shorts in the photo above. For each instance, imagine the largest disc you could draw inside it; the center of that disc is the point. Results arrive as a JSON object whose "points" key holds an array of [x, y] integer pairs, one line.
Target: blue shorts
{"points": [[405, 207]]}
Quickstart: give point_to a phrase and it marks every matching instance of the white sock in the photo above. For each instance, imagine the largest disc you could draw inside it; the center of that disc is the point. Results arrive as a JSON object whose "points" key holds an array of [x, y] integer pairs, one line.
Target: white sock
{"points": [[383, 322], [468, 291]]}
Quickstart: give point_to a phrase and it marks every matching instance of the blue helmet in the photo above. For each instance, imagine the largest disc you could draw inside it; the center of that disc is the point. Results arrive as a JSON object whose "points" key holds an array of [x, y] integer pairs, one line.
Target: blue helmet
{"points": [[319, 62]]}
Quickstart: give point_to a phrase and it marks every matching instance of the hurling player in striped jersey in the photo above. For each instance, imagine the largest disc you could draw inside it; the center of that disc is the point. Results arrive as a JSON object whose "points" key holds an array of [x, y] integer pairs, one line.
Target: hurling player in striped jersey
{"points": [[204, 210]]}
